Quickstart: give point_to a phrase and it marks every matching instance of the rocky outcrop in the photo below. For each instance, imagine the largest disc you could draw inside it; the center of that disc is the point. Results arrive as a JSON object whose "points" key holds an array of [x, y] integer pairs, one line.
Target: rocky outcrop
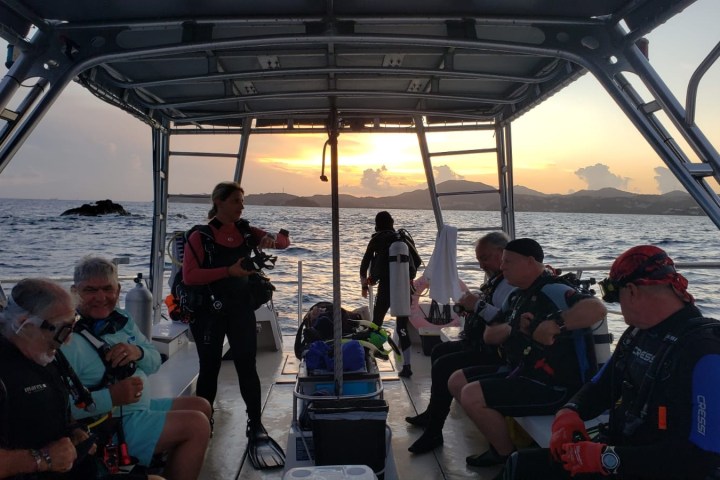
{"points": [[101, 207]]}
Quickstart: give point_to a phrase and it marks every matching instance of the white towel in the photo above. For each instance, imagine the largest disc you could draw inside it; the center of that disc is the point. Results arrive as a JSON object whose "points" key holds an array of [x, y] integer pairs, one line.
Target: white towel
{"points": [[442, 267]]}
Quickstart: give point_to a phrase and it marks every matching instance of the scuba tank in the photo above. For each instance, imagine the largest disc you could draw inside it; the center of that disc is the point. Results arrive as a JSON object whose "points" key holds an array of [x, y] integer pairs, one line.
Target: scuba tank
{"points": [[399, 266], [138, 303]]}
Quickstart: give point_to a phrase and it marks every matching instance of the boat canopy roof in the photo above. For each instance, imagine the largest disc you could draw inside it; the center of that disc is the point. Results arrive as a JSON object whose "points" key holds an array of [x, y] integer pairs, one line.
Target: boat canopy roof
{"points": [[287, 63]]}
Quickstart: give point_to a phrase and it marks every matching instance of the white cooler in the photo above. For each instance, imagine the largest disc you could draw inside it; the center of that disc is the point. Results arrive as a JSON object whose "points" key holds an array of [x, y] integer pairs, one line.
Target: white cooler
{"points": [[331, 472]]}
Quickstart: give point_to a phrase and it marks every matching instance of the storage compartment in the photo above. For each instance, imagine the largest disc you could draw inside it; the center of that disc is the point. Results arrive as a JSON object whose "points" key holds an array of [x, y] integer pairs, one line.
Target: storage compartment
{"points": [[428, 341], [350, 431]]}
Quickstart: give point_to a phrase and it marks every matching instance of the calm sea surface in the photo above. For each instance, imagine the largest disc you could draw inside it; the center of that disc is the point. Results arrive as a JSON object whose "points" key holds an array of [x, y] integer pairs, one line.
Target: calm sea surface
{"points": [[36, 240]]}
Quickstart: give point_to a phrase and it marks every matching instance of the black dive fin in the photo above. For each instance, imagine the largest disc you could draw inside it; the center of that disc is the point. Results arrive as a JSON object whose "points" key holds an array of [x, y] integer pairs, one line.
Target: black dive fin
{"points": [[394, 346], [264, 452]]}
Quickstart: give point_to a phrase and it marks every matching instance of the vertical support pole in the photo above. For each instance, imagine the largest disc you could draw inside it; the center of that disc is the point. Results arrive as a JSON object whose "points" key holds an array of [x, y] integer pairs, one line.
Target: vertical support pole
{"points": [[242, 149], [427, 164], [333, 133], [503, 144], [299, 293], [161, 152]]}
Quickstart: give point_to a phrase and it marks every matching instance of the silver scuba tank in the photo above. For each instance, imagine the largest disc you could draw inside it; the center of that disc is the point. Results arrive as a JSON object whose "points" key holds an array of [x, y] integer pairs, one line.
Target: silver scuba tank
{"points": [[399, 266], [138, 303]]}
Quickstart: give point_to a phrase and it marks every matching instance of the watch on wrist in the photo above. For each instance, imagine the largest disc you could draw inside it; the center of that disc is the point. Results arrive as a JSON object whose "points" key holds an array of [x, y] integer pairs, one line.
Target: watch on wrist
{"points": [[38, 459], [610, 460], [45, 453]]}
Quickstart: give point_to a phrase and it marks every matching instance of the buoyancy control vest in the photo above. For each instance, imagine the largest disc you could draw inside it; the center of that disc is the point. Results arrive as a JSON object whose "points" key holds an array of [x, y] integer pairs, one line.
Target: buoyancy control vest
{"points": [[381, 241], [475, 324], [231, 294], [570, 361], [34, 403], [643, 365]]}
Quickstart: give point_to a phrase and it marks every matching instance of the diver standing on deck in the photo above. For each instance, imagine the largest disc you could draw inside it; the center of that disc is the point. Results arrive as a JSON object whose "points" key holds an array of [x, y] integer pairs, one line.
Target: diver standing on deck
{"points": [[219, 264], [376, 261]]}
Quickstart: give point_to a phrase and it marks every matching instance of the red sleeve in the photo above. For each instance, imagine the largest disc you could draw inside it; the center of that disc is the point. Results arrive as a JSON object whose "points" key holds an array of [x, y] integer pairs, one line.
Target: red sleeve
{"points": [[193, 274], [281, 241]]}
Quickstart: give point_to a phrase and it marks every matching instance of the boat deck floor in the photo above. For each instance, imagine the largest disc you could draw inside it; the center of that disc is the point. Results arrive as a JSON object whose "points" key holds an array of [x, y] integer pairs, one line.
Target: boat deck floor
{"points": [[226, 457]]}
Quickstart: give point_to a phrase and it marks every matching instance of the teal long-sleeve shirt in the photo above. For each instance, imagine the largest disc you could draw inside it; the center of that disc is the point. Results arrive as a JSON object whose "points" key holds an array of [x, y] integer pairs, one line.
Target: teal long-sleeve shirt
{"points": [[88, 365]]}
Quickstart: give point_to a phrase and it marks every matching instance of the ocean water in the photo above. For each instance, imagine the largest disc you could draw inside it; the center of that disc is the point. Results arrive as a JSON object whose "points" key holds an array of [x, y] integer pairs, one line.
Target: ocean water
{"points": [[37, 241]]}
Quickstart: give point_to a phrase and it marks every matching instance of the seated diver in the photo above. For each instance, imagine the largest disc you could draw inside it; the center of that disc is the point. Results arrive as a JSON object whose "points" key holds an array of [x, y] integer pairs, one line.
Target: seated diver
{"points": [[448, 357], [114, 359], [546, 356], [38, 437]]}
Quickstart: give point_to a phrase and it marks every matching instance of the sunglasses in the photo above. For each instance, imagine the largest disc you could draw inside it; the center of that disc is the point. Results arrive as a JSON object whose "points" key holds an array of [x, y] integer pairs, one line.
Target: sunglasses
{"points": [[63, 332]]}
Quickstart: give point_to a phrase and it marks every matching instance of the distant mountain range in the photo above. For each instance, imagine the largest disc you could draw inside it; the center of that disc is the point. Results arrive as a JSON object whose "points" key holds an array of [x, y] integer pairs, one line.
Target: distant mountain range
{"points": [[606, 200]]}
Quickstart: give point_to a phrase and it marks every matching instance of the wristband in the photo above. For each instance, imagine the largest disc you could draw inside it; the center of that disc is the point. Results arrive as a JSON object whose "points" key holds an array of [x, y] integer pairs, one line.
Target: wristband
{"points": [[571, 406], [142, 353], [38, 459], [46, 456]]}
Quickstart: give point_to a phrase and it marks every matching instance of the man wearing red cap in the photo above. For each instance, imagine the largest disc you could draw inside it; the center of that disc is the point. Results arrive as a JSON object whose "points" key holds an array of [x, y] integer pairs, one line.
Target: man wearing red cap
{"points": [[661, 387], [543, 328]]}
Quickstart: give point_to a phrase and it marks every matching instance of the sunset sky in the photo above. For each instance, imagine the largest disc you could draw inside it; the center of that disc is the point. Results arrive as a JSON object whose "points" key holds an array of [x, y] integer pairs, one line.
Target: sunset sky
{"points": [[86, 150]]}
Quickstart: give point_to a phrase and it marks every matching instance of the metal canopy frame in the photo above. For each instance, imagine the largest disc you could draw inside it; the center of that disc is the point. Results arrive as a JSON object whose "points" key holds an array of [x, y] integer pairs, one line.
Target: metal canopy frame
{"points": [[295, 66]]}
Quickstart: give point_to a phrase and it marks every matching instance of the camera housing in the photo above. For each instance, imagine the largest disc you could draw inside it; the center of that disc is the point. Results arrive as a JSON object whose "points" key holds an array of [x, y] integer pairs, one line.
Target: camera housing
{"points": [[119, 372]]}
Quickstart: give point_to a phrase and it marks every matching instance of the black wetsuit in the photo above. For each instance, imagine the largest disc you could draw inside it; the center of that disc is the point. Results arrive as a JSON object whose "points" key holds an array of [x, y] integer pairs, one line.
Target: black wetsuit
{"points": [[35, 410], [543, 377], [376, 259], [447, 357], [679, 438], [237, 321]]}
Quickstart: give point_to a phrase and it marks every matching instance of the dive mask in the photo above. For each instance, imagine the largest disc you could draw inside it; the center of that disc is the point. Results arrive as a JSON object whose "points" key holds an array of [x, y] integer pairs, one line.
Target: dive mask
{"points": [[61, 333], [651, 271], [610, 290]]}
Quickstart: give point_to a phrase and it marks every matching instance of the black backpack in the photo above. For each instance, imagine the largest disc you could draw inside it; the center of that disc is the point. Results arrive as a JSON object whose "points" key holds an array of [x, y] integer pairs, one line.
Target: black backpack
{"points": [[379, 266], [188, 299]]}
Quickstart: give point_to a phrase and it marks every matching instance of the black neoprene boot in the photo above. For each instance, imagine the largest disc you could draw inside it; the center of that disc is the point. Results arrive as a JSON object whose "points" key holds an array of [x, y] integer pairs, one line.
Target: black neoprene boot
{"points": [[428, 441], [254, 428], [419, 420], [487, 459]]}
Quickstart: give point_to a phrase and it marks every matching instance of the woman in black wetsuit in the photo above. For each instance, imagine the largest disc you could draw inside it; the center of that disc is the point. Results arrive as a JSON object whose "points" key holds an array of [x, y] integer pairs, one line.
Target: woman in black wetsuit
{"points": [[213, 257]]}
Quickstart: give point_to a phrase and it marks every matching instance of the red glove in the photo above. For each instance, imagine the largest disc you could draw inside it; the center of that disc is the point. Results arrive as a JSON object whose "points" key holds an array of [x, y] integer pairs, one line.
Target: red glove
{"points": [[566, 424], [583, 457]]}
